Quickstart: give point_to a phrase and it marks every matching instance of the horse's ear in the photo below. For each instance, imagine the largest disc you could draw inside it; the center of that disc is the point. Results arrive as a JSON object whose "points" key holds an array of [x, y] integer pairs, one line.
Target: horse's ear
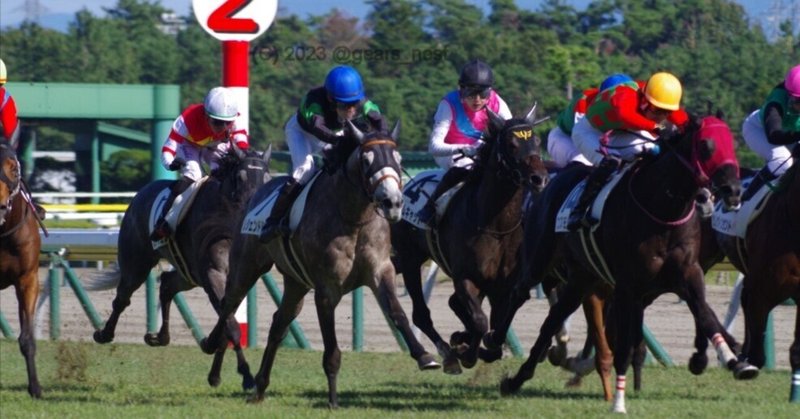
{"points": [[395, 134], [495, 121], [268, 154], [356, 133], [531, 116]]}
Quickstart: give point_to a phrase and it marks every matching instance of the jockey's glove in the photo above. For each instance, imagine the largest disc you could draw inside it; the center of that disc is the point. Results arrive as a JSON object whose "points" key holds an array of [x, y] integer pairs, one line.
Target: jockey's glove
{"points": [[177, 164]]}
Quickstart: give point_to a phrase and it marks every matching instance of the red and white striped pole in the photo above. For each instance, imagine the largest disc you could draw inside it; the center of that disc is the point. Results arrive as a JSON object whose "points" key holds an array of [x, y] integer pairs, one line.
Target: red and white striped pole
{"points": [[236, 23]]}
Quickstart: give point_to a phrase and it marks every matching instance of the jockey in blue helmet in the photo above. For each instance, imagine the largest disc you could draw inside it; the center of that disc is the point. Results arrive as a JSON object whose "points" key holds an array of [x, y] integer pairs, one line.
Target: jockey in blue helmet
{"points": [[318, 125], [614, 80]]}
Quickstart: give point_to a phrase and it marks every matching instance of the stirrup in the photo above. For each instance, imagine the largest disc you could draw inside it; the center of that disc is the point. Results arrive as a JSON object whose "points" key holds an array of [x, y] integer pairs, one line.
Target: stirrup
{"points": [[580, 220]]}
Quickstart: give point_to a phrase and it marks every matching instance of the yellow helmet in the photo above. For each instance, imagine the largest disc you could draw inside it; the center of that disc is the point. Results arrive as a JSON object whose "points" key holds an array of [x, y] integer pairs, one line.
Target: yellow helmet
{"points": [[2, 72], [664, 91]]}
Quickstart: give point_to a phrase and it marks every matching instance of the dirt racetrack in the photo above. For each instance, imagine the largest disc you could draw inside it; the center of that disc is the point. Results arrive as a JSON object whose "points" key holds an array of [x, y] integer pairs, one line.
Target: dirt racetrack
{"points": [[668, 319]]}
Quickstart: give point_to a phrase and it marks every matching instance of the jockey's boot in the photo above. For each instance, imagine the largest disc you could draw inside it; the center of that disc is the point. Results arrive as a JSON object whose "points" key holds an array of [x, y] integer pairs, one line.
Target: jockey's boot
{"points": [[275, 225], [762, 177], [162, 228], [450, 179], [580, 217]]}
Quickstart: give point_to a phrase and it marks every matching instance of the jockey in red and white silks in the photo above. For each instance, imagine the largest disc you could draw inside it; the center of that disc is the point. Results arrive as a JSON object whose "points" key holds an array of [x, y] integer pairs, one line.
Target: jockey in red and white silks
{"points": [[457, 127], [197, 136]]}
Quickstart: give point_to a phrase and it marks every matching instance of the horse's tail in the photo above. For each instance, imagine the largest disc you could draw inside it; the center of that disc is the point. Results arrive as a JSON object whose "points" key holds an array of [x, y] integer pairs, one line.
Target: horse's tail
{"points": [[103, 280]]}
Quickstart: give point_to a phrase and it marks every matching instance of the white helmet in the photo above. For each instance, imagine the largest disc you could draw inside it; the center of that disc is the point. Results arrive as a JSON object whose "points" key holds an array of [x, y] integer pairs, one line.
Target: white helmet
{"points": [[3, 74], [220, 104]]}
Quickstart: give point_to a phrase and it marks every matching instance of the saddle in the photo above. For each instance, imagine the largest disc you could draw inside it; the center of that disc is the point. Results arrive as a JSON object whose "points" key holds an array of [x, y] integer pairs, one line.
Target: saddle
{"points": [[734, 223], [417, 192], [178, 211], [595, 209]]}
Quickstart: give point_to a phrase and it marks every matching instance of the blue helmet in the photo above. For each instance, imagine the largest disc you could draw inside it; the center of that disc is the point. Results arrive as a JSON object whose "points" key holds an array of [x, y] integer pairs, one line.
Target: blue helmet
{"points": [[614, 80], [343, 84]]}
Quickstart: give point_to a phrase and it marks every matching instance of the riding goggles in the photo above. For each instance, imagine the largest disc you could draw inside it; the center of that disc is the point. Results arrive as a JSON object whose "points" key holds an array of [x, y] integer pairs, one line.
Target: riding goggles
{"points": [[482, 92]]}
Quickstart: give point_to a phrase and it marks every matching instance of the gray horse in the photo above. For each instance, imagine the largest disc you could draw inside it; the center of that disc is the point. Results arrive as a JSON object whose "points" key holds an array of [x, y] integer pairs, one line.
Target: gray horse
{"points": [[202, 240], [341, 243]]}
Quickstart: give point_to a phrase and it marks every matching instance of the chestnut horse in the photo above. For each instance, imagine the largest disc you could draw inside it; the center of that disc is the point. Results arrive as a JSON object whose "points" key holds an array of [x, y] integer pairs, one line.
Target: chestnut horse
{"points": [[647, 244], [19, 255]]}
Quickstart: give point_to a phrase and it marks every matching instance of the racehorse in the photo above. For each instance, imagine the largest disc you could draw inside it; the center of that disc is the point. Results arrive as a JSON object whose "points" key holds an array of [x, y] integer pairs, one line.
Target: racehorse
{"points": [[199, 248], [341, 242], [476, 240], [19, 256], [647, 244], [770, 263]]}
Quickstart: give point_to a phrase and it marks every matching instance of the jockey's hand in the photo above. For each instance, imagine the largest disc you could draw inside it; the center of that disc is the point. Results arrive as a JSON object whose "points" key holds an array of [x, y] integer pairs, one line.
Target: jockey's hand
{"points": [[472, 150], [177, 164], [667, 130]]}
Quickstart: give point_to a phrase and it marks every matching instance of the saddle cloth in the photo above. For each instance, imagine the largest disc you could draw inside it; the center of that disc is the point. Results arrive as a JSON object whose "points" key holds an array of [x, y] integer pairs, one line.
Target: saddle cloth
{"points": [[178, 211], [255, 219], [734, 223], [562, 217], [417, 192]]}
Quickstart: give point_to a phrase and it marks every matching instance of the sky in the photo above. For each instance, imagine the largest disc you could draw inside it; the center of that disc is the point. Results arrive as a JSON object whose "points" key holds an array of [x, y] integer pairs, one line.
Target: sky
{"points": [[57, 14]]}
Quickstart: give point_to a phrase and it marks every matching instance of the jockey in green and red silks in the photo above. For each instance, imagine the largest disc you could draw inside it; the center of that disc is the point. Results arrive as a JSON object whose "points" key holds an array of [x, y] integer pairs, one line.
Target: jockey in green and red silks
{"points": [[622, 124]]}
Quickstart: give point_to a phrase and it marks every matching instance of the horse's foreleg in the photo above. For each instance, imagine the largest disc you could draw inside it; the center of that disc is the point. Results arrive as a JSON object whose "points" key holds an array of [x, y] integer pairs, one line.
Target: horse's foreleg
{"points": [[569, 302], [332, 357], [794, 357], [386, 295], [595, 320], [699, 360], [625, 316], [289, 308], [171, 284], [705, 317], [27, 293]]}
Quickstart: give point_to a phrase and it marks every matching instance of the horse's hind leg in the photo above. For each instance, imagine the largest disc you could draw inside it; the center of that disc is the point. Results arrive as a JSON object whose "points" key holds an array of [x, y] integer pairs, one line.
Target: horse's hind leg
{"points": [[133, 275], [289, 308], [386, 295], [171, 284], [794, 357], [466, 303], [27, 293]]}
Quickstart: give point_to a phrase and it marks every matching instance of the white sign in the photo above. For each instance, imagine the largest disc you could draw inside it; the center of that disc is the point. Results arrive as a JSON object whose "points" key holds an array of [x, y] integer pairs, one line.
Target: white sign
{"points": [[235, 20]]}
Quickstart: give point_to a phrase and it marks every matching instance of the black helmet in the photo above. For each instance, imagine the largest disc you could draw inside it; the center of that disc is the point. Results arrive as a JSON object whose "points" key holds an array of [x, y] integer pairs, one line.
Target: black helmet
{"points": [[476, 73]]}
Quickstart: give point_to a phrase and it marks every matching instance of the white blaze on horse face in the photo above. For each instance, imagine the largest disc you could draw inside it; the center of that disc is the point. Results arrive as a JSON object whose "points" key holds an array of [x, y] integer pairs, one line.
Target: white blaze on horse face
{"points": [[387, 190]]}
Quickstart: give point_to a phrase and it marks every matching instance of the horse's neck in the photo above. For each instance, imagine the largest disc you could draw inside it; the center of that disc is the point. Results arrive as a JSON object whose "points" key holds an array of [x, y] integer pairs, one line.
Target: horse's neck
{"points": [[498, 200], [341, 194], [666, 187]]}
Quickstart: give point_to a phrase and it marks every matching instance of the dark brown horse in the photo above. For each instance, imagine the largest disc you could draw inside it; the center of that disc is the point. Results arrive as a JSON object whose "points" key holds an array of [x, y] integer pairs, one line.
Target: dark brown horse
{"points": [[770, 263], [202, 240], [648, 242], [476, 240], [19, 256], [341, 242]]}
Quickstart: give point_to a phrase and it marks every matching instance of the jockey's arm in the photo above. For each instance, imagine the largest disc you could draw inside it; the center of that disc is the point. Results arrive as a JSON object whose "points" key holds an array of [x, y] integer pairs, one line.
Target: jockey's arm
{"points": [[319, 130], [626, 104], [773, 126], [441, 125]]}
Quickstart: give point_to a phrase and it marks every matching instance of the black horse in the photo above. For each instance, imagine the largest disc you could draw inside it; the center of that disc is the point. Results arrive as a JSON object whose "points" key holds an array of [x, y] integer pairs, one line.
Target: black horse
{"points": [[647, 244], [199, 249], [476, 240], [341, 243], [19, 256]]}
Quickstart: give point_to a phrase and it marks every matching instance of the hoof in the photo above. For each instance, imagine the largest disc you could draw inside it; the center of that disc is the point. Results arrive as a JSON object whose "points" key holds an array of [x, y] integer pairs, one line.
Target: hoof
{"points": [[35, 391], [489, 355], [557, 355], [698, 363], [744, 371], [255, 398], [101, 337], [153, 339], [468, 362], [205, 345], [451, 366], [214, 381], [574, 382], [507, 387], [428, 362]]}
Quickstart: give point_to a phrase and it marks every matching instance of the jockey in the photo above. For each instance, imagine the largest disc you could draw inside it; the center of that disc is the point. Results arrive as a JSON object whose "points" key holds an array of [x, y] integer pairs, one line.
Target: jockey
{"points": [[317, 126], [202, 133], [9, 124], [770, 129], [559, 141], [625, 114], [458, 128]]}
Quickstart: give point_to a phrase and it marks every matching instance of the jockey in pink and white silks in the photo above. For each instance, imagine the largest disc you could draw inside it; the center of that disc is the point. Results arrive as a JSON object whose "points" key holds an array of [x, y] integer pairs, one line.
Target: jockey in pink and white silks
{"points": [[458, 127], [773, 128], [202, 133]]}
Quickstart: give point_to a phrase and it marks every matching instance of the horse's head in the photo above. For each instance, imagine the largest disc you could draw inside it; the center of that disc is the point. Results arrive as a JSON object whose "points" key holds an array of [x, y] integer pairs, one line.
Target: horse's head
{"points": [[377, 162], [714, 159], [517, 150], [243, 172], [10, 178]]}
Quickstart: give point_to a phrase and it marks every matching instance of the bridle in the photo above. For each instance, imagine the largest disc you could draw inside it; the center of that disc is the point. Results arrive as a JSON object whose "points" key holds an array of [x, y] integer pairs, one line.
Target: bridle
{"points": [[510, 167]]}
